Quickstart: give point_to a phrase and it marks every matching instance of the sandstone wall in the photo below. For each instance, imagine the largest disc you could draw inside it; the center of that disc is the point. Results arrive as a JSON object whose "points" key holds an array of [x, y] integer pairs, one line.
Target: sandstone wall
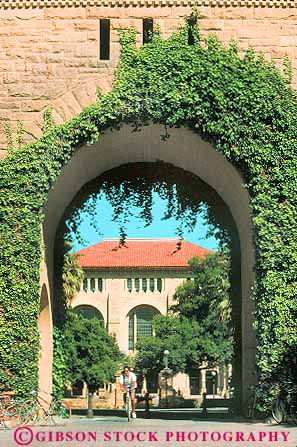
{"points": [[50, 55], [120, 302]]}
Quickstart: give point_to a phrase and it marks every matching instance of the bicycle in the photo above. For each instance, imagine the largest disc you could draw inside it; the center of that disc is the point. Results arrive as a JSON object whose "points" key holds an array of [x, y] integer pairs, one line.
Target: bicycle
{"points": [[3, 416], [284, 408], [39, 409], [128, 404], [12, 413]]}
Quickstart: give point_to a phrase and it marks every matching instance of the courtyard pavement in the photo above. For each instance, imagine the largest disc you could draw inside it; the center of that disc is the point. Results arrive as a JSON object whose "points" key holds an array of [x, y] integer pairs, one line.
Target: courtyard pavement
{"points": [[113, 431]]}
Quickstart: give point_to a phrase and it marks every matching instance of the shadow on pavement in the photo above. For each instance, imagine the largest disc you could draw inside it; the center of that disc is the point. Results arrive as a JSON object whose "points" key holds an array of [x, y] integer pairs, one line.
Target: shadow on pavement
{"points": [[171, 414]]}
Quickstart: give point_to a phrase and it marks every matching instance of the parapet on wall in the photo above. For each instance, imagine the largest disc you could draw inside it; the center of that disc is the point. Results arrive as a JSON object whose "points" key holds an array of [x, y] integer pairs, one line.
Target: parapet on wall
{"points": [[50, 49]]}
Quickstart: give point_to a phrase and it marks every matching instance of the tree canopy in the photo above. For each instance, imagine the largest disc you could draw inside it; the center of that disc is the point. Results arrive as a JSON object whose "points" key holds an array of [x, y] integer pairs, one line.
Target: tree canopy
{"points": [[91, 354]]}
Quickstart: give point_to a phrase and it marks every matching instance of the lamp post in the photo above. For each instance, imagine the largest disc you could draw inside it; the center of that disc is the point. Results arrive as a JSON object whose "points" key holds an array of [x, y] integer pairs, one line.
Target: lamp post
{"points": [[165, 358], [90, 412], [166, 373]]}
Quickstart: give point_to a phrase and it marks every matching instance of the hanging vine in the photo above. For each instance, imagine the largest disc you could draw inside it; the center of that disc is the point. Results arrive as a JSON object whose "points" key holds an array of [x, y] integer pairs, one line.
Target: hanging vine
{"points": [[128, 188]]}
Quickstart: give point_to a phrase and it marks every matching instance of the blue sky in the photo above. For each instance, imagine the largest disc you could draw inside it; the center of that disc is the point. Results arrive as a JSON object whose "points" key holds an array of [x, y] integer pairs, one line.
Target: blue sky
{"points": [[135, 229]]}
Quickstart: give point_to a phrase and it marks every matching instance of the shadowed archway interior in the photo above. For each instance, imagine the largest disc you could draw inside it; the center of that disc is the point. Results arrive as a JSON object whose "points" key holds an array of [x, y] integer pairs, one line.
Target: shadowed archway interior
{"points": [[219, 184]]}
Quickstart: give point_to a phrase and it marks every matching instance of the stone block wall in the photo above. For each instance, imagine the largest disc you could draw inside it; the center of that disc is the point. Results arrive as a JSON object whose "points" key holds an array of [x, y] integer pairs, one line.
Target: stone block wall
{"points": [[49, 49]]}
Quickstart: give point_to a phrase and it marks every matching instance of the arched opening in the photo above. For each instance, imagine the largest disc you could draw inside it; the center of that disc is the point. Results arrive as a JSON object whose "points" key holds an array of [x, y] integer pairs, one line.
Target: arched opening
{"points": [[187, 151], [140, 324], [46, 348], [88, 312]]}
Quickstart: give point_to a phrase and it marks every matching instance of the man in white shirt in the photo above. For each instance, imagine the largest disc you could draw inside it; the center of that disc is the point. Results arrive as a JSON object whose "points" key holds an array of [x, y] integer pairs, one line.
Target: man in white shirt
{"points": [[128, 382]]}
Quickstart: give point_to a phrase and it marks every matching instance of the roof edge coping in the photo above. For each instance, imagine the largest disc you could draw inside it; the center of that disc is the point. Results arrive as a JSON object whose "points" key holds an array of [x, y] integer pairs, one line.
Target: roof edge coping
{"points": [[26, 4]]}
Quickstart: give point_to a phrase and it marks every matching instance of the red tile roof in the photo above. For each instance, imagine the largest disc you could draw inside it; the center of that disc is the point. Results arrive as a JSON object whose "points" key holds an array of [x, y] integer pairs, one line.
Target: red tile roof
{"points": [[140, 253]]}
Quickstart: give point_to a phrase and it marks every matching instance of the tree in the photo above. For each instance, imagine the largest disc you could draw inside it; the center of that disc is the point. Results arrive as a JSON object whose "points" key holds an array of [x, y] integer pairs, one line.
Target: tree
{"points": [[72, 274], [68, 277], [67, 284], [207, 292], [199, 323], [92, 355]]}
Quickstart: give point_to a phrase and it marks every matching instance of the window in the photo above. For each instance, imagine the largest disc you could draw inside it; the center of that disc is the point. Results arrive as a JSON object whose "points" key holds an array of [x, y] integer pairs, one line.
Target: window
{"points": [[152, 284], [100, 284], [194, 382], [129, 284], [147, 30], [89, 312], [85, 284], [140, 324], [137, 284], [159, 285], [131, 334], [104, 39], [211, 382], [192, 22], [144, 284], [144, 322], [92, 284]]}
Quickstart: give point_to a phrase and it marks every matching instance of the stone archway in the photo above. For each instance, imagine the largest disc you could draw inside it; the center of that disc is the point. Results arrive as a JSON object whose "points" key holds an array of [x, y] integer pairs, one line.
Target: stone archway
{"points": [[186, 150], [46, 337]]}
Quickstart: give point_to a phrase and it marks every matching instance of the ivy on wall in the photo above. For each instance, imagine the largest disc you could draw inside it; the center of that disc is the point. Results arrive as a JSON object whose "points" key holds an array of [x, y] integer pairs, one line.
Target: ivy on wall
{"points": [[242, 105]]}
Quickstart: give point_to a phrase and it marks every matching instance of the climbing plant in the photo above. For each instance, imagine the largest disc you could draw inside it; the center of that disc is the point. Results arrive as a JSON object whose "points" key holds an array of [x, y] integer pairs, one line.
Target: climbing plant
{"points": [[242, 105]]}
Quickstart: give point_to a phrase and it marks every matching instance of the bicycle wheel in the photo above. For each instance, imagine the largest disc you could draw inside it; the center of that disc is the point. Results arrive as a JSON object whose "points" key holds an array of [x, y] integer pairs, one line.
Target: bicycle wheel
{"points": [[14, 416], [3, 418], [43, 417], [2, 422], [31, 415], [278, 411], [128, 407], [51, 416]]}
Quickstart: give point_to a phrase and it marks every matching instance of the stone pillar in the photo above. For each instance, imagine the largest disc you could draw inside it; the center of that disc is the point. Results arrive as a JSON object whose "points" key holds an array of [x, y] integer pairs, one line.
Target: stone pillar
{"points": [[166, 388], [85, 390], [203, 380], [144, 385], [46, 344], [225, 382], [218, 378]]}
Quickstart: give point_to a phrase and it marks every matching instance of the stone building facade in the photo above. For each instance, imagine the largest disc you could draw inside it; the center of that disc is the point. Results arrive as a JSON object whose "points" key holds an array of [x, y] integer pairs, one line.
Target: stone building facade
{"points": [[126, 287], [50, 55], [51, 50]]}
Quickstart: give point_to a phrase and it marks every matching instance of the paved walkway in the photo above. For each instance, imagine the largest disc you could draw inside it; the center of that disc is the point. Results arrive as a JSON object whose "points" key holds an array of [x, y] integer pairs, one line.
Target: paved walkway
{"points": [[117, 432]]}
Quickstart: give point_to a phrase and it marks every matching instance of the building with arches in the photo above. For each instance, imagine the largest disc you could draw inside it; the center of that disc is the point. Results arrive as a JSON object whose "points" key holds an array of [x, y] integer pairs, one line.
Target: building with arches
{"points": [[58, 53], [126, 286]]}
